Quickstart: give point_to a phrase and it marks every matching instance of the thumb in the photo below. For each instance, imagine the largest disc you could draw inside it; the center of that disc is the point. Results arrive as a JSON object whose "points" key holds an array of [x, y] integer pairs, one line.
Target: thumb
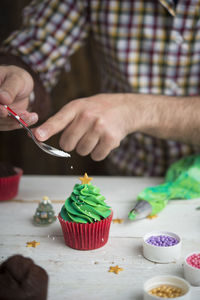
{"points": [[15, 86], [9, 90]]}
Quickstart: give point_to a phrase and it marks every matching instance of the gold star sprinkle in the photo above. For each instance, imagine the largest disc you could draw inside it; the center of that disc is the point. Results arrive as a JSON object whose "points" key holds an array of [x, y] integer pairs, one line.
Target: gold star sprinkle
{"points": [[118, 221], [32, 244], [85, 179], [152, 217], [115, 269]]}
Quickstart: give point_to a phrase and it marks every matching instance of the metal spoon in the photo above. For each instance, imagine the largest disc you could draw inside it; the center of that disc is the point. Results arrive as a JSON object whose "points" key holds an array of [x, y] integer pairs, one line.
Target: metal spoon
{"points": [[46, 148]]}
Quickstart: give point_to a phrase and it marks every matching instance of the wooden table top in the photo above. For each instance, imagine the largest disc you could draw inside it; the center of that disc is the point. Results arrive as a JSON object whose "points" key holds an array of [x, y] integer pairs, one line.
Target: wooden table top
{"points": [[83, 275]]}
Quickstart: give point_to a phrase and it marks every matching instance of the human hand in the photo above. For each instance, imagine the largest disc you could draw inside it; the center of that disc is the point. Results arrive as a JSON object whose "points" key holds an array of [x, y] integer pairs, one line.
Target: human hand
{"points": [[15, 87], [93, 125]]}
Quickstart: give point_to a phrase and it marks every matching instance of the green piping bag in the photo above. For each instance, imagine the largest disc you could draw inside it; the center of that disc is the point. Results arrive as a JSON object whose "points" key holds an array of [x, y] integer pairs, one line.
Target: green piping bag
{"points": [[182, 181]]}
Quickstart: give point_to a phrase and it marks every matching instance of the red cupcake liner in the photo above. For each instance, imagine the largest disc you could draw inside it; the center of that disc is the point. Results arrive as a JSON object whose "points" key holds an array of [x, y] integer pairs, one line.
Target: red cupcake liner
{"points": [[9, 185], [88, 236]]}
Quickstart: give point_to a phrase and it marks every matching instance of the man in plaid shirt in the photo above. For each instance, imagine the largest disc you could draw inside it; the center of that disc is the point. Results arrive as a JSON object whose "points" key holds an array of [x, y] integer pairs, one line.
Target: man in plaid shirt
{"points": [[147, 115]]}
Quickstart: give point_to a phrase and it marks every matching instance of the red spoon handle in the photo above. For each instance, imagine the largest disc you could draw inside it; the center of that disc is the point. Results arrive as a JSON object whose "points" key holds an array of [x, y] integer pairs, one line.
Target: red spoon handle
{"points": [[15, 115]]}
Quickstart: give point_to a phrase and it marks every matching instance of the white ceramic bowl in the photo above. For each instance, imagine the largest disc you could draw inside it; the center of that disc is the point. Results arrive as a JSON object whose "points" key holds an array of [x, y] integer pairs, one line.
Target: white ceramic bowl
{"points": [[191, 273], [161, 254], [169, 280]]}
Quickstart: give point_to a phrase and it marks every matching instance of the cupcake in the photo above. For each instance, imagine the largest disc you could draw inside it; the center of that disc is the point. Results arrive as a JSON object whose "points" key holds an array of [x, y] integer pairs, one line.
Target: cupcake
{"points": [[85, 218], [22, 279], [9, 181]]}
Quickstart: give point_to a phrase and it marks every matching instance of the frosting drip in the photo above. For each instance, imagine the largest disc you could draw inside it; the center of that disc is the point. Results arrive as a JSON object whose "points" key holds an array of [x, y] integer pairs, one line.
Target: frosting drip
{"points": [[85, 205]]}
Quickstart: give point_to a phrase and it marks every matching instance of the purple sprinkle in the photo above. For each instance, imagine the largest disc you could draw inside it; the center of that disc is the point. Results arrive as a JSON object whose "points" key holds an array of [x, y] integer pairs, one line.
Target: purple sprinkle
{"points": [[162, 240]]}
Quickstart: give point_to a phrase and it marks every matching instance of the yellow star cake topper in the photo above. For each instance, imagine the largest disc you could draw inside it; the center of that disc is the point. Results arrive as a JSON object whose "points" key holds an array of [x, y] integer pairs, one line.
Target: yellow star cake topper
{"points": [[115, 269], [152, 217], [118, 221], [85, 179], [32, 244]]}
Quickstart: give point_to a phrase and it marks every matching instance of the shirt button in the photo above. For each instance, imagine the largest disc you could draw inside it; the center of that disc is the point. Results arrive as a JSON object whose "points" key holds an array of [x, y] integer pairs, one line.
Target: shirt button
{"points": [[185, 46], [178, 39], [174, 87]]}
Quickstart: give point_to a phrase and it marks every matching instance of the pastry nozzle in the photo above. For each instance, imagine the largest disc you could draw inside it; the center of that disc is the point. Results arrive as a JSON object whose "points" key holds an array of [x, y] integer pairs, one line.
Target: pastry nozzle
{"points": [[141, 210]]}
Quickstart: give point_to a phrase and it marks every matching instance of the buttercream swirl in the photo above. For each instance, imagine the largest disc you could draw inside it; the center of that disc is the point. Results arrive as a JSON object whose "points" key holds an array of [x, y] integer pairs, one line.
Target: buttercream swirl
{"points": [[85, 205]]}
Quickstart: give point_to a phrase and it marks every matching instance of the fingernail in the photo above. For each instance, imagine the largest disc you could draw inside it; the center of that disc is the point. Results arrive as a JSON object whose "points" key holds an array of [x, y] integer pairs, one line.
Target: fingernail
{"points": [[25, 118], [29, 119], [34, 118], [42, 133]]}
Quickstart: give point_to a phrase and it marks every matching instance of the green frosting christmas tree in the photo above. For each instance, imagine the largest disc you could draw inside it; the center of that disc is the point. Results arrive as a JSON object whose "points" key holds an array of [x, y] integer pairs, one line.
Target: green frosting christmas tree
{"points": [[85, 204]]}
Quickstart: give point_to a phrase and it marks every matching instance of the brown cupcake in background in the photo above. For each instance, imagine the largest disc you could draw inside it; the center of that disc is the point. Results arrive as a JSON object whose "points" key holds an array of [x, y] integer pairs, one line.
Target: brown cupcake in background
{"points": [[6, 169], [22, 279]]}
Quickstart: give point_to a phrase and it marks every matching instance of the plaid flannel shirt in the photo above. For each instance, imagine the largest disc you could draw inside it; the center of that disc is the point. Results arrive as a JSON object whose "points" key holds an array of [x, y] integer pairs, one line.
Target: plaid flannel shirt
{"points": [[143, 46]]}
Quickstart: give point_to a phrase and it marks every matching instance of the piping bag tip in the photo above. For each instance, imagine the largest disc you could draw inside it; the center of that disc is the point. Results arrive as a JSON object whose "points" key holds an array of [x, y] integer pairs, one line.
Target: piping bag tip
{"points": [[141, 210], [132, 215]]}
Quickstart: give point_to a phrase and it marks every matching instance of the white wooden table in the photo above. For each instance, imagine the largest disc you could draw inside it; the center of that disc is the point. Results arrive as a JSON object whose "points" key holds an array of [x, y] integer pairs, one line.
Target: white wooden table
{"points": [[83, 275]]}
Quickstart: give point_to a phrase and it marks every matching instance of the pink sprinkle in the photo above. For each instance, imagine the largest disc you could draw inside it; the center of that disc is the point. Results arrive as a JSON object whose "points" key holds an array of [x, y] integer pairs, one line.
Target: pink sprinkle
{"points": [[194, 260]]}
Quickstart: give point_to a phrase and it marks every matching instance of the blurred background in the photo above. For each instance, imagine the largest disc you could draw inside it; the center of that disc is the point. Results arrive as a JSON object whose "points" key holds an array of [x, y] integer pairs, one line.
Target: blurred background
{"points": [[81, 81]]}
